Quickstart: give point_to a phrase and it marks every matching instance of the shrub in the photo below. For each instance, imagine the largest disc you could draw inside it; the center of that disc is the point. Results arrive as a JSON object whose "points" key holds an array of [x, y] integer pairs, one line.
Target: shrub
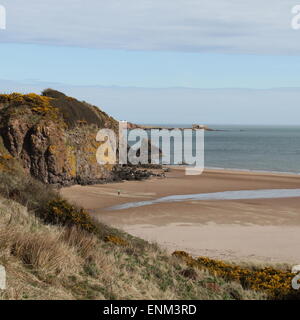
{"points": [[276, 283], [59, 211], [22, 188], [76, 112], [37, 103], [116, 240], [43, 201]]}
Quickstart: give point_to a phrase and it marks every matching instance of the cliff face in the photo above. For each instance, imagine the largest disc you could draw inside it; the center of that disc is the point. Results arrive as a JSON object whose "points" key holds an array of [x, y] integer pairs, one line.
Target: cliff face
{"points": [[53, 137]]}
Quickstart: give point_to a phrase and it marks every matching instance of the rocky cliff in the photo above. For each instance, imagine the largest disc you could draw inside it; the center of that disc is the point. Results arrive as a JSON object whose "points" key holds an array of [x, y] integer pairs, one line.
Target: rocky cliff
{"points": [[53, 137]]}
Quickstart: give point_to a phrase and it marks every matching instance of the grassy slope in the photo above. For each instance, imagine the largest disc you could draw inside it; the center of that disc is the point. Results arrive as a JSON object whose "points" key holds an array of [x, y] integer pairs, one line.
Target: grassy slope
{"points": [[46, 261]]}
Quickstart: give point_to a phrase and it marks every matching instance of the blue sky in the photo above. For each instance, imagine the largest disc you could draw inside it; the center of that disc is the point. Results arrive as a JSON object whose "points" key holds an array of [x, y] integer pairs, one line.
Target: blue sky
{"points": [[107, 52], [150, 69]]}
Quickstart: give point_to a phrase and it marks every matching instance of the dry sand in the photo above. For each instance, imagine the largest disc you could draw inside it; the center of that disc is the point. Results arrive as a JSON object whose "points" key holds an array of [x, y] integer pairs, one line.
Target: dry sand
{"points": [[266, 230]]}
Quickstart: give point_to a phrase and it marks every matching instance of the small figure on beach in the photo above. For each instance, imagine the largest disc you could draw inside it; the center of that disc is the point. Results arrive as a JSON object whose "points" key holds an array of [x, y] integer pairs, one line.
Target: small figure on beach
{"points": [[119, 192]]}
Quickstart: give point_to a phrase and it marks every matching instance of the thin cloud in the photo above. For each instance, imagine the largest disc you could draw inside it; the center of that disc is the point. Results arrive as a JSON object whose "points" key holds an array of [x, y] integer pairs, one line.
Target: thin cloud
{"points": [[225, 26]]}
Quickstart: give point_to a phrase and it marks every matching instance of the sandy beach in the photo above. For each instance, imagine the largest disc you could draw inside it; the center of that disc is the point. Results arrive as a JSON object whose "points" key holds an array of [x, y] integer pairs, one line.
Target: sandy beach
{"points": [[257, 230]]}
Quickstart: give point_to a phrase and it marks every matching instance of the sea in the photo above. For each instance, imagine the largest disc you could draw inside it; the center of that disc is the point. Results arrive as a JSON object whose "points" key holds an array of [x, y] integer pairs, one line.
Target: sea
{"points": [[254, 148]]}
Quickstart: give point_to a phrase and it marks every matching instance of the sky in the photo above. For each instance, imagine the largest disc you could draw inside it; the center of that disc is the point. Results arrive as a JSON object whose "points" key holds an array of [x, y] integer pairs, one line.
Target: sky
{"points": [[159, 61]]}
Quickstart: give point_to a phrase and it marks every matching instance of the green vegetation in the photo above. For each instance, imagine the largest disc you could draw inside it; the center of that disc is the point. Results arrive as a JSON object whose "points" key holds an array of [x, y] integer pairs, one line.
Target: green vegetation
{"points": [[78, 113], [37, 104], [53, 102]]}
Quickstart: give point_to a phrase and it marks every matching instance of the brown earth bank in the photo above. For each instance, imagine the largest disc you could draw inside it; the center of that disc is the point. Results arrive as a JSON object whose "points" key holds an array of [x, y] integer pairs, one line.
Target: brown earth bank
{"points": [[266, 230]]}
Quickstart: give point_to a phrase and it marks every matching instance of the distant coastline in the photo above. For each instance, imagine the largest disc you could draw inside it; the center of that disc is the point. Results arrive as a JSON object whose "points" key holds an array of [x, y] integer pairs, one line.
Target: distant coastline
{"points": [[169, 127]]}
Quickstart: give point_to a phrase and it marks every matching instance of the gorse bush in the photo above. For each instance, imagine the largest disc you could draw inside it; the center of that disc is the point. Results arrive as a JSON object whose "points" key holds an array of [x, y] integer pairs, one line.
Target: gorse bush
{"points": [[37, 103], [277, 284], [43, 201], [46, 204], [116, 240], [59, 211]]}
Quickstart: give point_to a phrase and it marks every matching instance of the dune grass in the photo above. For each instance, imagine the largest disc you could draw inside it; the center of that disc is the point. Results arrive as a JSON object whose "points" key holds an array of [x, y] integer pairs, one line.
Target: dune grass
{"points": [[59, 262]]}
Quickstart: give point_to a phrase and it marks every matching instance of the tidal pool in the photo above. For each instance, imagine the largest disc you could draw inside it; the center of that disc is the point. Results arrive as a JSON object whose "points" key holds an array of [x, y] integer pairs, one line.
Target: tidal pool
{"points": [[226, 195]]}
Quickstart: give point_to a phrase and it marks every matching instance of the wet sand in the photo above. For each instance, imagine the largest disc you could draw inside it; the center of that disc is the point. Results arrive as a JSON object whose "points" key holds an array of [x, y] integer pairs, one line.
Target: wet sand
{"points": [[266, 230]]}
